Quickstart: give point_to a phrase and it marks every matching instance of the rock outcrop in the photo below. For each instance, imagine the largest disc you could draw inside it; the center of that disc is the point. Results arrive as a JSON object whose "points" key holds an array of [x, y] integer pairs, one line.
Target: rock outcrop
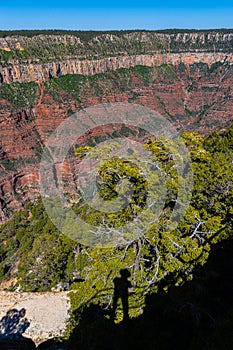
{"points": [[43, 72], [46, 314]]}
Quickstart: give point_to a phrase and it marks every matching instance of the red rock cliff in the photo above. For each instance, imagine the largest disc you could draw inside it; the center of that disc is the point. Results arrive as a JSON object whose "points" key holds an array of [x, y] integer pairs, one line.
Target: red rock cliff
{"points": [[192, 89]]}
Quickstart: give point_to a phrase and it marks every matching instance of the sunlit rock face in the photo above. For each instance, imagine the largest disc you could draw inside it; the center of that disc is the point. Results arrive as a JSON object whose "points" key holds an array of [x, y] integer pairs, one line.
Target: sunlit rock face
{"points": [[43, 72]]}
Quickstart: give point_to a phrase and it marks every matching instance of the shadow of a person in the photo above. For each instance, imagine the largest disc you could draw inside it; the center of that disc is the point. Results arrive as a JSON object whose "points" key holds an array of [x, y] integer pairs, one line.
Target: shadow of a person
{"points": [[14, 324], [121, 291], [12, 327]]}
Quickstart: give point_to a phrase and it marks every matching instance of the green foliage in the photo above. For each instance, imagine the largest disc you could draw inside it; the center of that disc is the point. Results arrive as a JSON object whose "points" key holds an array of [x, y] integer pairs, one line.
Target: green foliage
{"points": [[30, 241], [69, 83], [47, 263], [160, 254], [5, 56], [85, 35], [44, 258], [73, 86], [89, 34], [20, 94], [143, 72], [9, 164], [45, 46], [198, 315]]}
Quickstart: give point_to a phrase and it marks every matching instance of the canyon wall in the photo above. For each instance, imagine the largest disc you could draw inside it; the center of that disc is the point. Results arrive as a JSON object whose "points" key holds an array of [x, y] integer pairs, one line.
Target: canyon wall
{"points": [[187, 77], [42, 56], [43, 72]]}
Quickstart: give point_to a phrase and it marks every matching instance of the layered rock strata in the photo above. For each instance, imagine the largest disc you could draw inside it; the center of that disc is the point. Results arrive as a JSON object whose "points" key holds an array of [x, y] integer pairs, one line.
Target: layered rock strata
{"points": [[44, 72], [177, 77]]}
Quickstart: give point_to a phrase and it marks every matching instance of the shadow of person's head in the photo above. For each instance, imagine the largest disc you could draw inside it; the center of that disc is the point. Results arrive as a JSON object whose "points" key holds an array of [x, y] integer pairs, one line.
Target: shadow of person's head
{"points": [[125, 273]]}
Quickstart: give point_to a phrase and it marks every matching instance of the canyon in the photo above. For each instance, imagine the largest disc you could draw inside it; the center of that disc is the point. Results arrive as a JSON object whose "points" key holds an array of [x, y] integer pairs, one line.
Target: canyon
{"points": [[186, 77]]}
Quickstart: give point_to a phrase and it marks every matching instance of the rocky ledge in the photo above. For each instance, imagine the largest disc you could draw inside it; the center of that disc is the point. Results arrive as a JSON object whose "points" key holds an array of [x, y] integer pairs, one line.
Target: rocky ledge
{"points": [[35, 316]]}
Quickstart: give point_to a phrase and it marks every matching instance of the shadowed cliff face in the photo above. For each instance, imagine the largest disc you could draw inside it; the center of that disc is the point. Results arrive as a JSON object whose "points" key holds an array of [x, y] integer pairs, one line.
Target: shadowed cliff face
{"points": [[192, 90]]}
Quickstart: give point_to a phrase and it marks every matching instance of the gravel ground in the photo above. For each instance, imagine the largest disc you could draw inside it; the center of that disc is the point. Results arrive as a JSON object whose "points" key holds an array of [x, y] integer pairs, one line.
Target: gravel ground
{"points": [[47, 314]]}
